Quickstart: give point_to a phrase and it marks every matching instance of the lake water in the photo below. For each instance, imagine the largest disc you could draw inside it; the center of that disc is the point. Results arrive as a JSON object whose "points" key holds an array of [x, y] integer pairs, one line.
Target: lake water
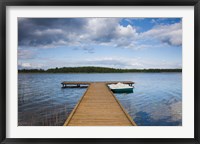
{"points": [[156, 101]]}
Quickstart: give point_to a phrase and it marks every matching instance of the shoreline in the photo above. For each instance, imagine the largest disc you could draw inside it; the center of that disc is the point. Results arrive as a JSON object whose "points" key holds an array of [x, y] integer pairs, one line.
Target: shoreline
{"points": [[91, 72]]}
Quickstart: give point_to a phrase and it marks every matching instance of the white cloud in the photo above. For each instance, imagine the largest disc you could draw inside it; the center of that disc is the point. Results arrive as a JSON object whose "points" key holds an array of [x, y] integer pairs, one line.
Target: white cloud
{"points": [[100, 31], [28, 65], [25, 54], [127, 31], [112, 62], [48, 32], [108, 31], [170, 34]]}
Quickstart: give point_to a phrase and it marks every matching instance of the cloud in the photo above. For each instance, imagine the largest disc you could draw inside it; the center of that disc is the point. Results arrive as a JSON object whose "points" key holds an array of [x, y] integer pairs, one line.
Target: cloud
{"points": [[26, 54], [51, 33], [108, 31], [127, 31], [86, 33], [112, 62], [101, 61], [29, 65], [101, 29], [170, 34], [48, 32]]}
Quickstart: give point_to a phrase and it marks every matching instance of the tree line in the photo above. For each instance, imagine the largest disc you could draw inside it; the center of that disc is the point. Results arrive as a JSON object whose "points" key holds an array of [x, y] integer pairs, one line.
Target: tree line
{"points": [[93, 70]]}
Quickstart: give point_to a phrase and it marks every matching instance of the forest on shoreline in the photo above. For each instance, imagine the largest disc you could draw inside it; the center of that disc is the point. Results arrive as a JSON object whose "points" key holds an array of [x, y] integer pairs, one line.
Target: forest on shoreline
{"points": [[93, 70]]}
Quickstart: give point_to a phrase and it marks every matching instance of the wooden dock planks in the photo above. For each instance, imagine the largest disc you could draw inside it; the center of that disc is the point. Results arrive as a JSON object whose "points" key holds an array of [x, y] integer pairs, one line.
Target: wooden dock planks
{"points": [[88, 82], [99, 107]]}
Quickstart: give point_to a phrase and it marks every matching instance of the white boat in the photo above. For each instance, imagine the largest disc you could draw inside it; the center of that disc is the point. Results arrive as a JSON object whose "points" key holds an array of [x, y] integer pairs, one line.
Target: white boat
{"points": [[121, 88]]}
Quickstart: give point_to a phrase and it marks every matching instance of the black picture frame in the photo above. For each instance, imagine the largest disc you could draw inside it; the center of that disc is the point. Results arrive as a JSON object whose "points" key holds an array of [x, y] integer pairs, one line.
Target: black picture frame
{"points": [[5, 3]]}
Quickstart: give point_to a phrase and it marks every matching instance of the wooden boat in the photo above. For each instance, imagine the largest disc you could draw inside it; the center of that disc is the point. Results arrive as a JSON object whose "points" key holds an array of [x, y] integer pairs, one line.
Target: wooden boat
{"points": [[121, 88]]}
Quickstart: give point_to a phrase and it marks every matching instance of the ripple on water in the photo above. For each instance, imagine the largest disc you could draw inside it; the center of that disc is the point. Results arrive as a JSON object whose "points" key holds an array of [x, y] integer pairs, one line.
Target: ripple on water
{"points": [[156, 101]]}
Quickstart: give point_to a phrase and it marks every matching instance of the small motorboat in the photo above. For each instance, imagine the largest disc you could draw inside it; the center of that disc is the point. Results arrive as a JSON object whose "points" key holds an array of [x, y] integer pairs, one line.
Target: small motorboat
{"points": [[121, 88]]}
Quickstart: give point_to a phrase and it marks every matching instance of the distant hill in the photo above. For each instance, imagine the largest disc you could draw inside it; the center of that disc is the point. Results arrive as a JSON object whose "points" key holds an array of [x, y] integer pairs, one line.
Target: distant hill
{"points": [[91, 69]]}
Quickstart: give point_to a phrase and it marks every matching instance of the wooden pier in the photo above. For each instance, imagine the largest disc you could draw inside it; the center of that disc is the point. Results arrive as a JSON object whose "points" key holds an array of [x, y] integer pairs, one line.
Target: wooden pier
{"points": [[98, 107], [79, 83]]}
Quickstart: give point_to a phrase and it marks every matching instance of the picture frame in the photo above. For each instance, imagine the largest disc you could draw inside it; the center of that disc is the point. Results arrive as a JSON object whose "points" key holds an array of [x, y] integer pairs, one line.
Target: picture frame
{"points": [[3, 67]]}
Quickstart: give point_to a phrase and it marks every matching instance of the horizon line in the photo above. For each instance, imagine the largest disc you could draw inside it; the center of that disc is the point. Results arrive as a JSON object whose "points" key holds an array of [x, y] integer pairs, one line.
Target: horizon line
{"points": [[97, 67]]}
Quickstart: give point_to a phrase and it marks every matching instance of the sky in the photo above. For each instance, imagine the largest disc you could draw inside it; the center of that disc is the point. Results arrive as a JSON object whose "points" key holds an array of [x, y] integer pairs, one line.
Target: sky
{"points": [[126, 43]]}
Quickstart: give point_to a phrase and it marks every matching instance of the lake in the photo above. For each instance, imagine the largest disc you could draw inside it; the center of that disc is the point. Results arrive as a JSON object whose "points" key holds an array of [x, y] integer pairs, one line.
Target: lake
{"points": [[156, 101]]}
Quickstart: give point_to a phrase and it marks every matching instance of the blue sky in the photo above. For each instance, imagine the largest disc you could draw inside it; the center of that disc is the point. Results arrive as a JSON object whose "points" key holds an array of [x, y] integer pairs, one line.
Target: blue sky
{"points": [[133, 43]]}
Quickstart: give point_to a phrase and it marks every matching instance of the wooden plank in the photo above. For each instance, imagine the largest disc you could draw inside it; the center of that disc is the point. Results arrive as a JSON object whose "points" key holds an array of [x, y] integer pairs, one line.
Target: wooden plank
{"points": [[75, 82], [89, 82], [99, 107]]}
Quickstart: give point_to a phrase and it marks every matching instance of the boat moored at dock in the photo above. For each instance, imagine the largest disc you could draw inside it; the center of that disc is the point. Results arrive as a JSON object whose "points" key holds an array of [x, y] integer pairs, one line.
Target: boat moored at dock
{"points": [[121, 88]]}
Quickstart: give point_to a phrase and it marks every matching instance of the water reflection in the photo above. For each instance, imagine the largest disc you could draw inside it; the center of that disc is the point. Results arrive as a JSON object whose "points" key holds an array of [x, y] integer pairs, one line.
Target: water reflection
{"points": [[156, 101], [145, 119]]}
